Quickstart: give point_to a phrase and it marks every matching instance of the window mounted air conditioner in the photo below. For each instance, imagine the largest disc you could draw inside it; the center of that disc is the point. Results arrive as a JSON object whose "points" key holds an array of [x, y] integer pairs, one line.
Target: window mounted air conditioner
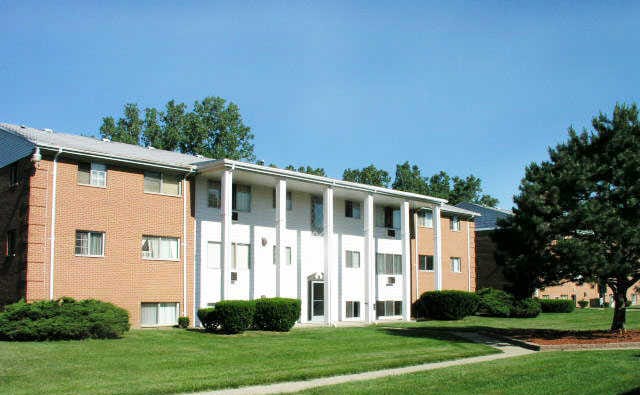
{"points": [[234, 277], [391, 281], [234, 216], [391, 232]]}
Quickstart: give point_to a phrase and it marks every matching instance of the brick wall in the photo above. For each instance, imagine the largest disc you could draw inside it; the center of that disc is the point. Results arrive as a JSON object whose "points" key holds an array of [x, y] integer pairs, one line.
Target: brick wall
{"points": [[124, 212], [14, 201]]}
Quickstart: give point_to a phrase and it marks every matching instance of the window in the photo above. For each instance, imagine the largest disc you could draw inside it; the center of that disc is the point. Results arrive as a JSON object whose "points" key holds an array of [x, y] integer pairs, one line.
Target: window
{"points": [[287, 252], [352, 309], [564, 296], [158, 314], [387, 217], [213, 255], [317, 215], [352, 209], [455, 223], [389, 264], [13, 174], [273, 200], [545, 296], [455, 265], [166, 184], [94, 174], [388, 308], [425, 262], [241, 257], [163, 248], [241, 198], [352, 259], [425, 218], [89, 243], [213, 193], [12, 243]]}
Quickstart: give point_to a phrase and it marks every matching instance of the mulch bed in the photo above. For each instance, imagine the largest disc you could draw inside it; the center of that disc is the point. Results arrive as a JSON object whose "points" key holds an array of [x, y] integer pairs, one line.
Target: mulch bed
{"points": [[554, 339]]}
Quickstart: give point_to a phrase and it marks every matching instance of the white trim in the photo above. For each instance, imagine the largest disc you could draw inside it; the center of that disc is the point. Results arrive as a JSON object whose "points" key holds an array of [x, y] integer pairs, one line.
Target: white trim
{"points": [[226, 187], [406, 261], [369, 260], [281, 224], [329, 256], [437, 255], [184, 248], [52, 239], [469, 256], [416, 255]]}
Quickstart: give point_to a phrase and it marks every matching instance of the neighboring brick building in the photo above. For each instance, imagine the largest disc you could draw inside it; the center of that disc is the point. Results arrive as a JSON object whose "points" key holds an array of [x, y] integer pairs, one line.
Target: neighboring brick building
{"points": [[490, 274]]}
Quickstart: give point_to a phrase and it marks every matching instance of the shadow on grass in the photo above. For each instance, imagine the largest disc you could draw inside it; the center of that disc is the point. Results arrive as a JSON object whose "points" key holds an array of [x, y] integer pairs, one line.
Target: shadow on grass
{"points": [[438, 333], [635, 391]]}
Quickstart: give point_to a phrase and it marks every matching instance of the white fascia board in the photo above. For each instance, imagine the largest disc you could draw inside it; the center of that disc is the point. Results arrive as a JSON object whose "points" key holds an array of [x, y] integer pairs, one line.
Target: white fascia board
{"points": [[295, 175]]}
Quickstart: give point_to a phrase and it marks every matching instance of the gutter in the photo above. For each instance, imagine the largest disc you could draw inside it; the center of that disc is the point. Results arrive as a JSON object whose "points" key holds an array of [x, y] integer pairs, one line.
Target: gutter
{"points": [[52, 239]]}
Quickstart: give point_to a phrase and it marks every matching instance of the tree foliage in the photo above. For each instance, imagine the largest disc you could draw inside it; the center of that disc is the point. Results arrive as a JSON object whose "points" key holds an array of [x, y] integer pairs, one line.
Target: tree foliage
{"points": [[317, 171], [455, 189], [368, 175], [577, 214], [213, 128]]}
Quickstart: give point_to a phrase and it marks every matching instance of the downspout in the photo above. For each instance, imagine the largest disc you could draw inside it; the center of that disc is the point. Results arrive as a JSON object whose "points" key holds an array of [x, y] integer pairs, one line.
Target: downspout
{"points": [[469, 255], [52, 239], [184, 247]]}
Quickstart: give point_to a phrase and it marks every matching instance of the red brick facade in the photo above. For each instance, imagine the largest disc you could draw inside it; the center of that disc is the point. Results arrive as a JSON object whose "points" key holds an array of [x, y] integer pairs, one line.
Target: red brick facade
{"points": [[124, 212]]}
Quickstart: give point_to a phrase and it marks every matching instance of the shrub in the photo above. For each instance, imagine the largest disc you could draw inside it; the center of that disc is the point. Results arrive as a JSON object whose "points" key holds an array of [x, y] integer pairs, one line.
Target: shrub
{"points": [[557, 305], [526, 308], [183, 322], [208, 318], [495, 303], [449, 305], [63, 319], [276, 314], [235, 316], [583, 303]]}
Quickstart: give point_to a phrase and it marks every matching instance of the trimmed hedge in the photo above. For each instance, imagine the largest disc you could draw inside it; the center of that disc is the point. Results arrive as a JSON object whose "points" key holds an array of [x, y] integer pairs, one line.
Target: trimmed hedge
{"points": [[63, 319], [183, 322], [557, 305], [208, 318], [583, 304], [449, 305], [276, 314], [235, 316], [526, 308], [495, 303]]}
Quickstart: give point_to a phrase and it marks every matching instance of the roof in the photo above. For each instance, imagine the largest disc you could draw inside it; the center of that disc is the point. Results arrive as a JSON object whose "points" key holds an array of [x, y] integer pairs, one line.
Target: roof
{"points": [[462, 211], [489, 215], [73, 143], [130, 153]]}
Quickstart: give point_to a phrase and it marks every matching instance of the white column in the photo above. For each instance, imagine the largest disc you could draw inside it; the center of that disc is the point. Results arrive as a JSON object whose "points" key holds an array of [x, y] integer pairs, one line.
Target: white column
{"points": [[329, 255], [437, 256], [406, 261], [281, 225], [225, 212], [369, 260]]}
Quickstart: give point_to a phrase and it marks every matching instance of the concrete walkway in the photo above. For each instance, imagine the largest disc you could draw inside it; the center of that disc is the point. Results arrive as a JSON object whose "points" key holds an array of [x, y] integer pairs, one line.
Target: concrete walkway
{"points": [[507, 349]]}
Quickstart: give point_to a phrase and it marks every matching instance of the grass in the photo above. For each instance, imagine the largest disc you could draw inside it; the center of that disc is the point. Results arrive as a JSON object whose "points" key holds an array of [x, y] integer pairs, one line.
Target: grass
{"points": [[171, 361], [581, 319], [578, 372]]}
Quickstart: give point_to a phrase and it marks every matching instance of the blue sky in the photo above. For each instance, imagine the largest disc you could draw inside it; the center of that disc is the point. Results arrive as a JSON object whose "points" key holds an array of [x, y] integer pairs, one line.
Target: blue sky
{"points": [[477, 88]]}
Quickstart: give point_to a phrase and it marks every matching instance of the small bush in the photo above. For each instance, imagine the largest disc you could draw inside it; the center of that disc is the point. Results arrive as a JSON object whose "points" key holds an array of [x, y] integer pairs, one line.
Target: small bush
{"points": [[583, 303], [63, 319], [208, 318], [495, 303], [235, 316], [449, 305], [526, 308], [276, 314], [183, 322], [557, 305]]}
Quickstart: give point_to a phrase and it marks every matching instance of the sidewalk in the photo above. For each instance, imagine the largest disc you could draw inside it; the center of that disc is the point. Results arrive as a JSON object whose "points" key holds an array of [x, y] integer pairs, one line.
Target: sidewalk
{"points": [[507, 349]]}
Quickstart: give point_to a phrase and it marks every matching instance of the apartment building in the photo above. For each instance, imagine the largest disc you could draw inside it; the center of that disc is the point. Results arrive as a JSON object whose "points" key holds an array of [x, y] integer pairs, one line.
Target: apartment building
{"points": [[162, 234]]}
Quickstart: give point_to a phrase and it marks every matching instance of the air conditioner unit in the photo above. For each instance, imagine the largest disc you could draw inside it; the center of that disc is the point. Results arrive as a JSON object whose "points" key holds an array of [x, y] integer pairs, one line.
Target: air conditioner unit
{"points": [[234, 215], [391, 232], [391, 281], [234, 276]]}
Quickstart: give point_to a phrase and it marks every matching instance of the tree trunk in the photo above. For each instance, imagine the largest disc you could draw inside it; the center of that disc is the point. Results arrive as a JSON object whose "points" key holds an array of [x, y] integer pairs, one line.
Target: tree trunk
{"points": [[620, 312]]}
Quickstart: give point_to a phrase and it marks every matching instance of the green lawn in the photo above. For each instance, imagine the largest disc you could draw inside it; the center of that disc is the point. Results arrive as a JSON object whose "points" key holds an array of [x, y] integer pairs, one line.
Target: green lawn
{"points": [[581, 319], [578, 372], [170, 361]]}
